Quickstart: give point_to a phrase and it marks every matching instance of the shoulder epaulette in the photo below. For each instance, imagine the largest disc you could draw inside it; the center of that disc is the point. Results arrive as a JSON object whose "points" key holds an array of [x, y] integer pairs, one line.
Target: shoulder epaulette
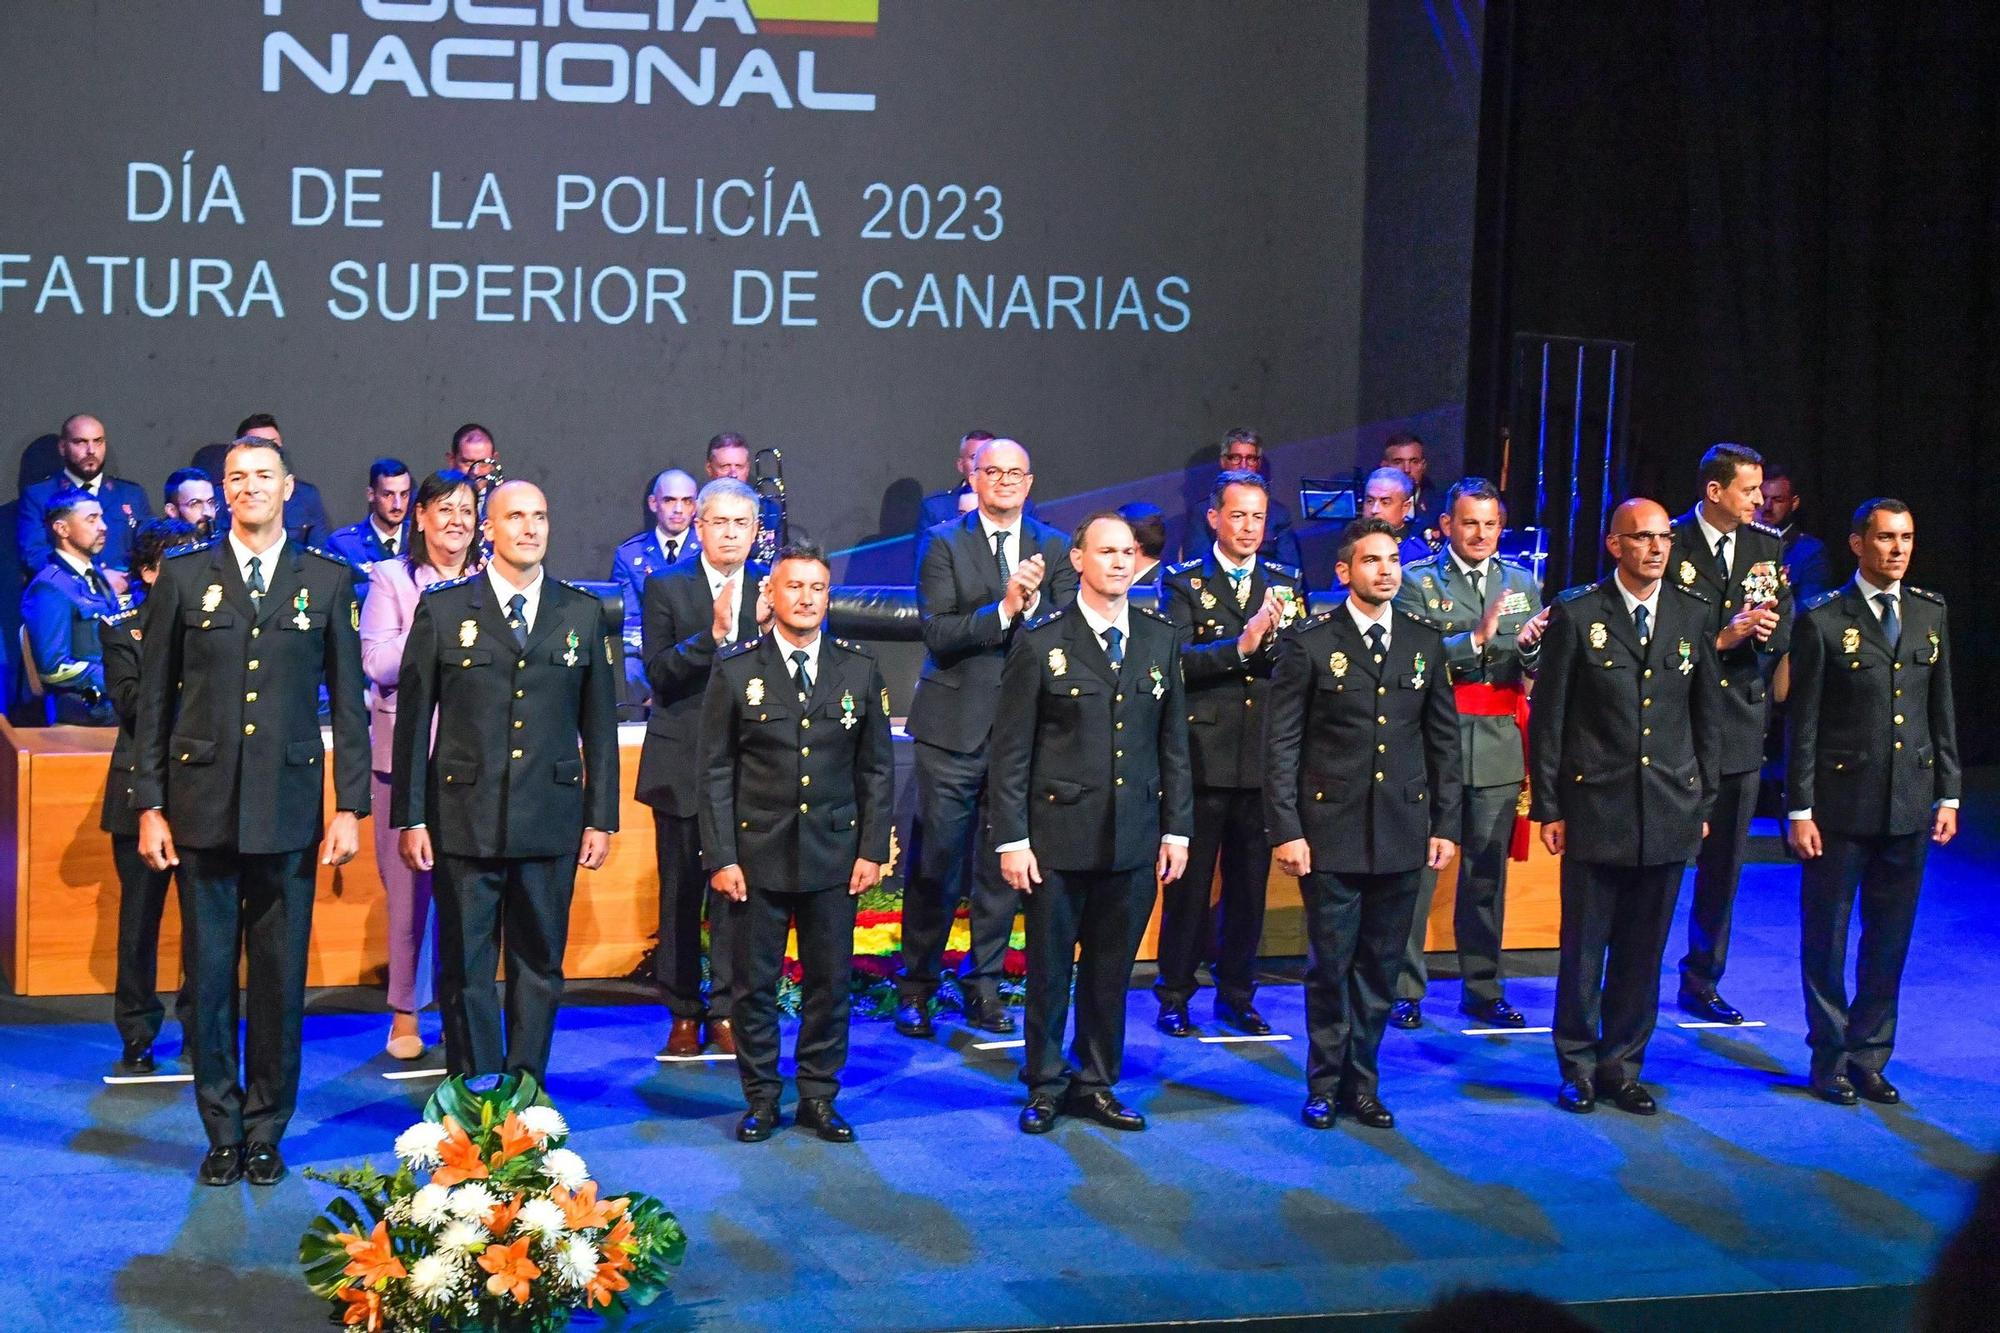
{"points": [[581, 592], [1571, 594], [443, 584], [1519, 562], [328, 556], [1313, 622], [1287, 570], [1817, 600], [1924, 593], [1038, 622], [189, 549], [1765, 528], [1695, 593], [1433, 558], [121, 617], [1184, 567], [859, 650], [1150, 613], [740, 647]]}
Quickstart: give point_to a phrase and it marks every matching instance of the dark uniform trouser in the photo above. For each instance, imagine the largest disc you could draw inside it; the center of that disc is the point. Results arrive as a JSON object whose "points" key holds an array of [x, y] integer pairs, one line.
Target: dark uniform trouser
{"points": [[478, 900], [1615, 923], [1480, 911], [1105, 911], [1717, 869], [683, 892], [142, 896], [826, 961], [951, 861], [1356, 927], [1229, 824], [1887, 871], [265, 902]]}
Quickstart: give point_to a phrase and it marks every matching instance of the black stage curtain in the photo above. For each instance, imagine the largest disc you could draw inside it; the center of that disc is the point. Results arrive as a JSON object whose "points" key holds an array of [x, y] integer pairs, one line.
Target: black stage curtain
{"points": [[1794, 210]]}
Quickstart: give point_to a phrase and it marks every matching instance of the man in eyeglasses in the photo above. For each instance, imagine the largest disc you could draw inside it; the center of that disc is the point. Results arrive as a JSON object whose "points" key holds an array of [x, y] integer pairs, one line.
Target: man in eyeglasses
{"points": [[945, 506], [1623, 747], [1242, 450], [979, 579]]}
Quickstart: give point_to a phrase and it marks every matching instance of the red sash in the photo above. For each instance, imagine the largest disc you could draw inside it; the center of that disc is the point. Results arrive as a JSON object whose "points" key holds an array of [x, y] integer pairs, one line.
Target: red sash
{"points": [[1478, 700]]}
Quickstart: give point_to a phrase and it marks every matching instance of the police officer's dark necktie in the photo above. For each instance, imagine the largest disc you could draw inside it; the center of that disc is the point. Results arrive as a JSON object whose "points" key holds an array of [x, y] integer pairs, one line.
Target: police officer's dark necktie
{"points": [[673, 549], [800, 674], [1722, 555], [95, 581], [1478, 575], [1376, 639], [1640, 619], [256, 582], [1892, 624], [517, 618], [1114, 647], [1000, 556]]}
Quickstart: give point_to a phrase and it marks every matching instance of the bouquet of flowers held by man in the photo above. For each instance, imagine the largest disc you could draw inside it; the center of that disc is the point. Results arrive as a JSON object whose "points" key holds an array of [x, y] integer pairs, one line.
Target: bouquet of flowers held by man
{"points": [[508, 1233]]}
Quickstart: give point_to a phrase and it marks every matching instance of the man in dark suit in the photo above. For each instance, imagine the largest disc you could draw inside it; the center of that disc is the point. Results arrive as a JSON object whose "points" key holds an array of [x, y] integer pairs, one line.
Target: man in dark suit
{"points": [[60, 609], [703, 603], [245, 631], [1361, 795], [142, 890], [81, 443], [1737, 565], [671, 536], [1806, 567], [1490, 614], [385, 533], [979, 579], [798, 793], [1231, 604], [1623, 745], [1873, 781], [947, 506], [1242, 450], [520, 786]]}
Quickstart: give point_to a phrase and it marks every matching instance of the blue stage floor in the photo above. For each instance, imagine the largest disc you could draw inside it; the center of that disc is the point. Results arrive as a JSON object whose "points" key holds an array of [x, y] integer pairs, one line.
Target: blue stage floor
{"points": [[944, 1216]]}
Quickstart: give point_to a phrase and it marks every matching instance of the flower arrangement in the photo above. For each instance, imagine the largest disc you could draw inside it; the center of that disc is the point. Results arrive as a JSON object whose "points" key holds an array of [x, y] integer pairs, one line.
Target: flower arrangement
{"points": [[509, 1233]]}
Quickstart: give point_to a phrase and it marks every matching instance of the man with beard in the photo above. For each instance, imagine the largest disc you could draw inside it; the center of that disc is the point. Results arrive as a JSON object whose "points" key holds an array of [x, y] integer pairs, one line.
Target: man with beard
{"points": [[81, 443]]}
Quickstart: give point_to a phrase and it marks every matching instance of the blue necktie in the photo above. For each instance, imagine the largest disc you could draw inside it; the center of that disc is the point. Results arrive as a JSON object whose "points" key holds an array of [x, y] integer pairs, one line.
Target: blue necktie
{"points": [[1892, 624], [1114, 647], [1240, 580], [517, 619], [1639, 618]]}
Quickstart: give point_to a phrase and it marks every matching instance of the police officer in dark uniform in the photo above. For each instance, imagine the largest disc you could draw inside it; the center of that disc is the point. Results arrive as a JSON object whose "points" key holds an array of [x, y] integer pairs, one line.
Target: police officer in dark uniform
{"points": [[1361, 794], [142, 890], [797, 779], [520, 786], [243, 633], [978, 580], [1623, 745], [1806, 568], [1389, 494], [385, 532], [80, 442], [701, 604], [1873, 780], [1737, 565], [1231, 604], [670, 538], [1490, 614], [61, 609], [1091, 800]]}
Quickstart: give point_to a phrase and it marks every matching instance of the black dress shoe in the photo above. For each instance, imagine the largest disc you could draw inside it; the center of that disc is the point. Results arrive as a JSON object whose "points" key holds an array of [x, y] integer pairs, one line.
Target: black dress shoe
{"points": [[1367, 1111], [1869, 1083], [757, 1123], [1244, 1018], [1632, 1099], [817, 1114], [1317, 1113], [1406, 1014], [222, 1166], [1039, 1115], [1834, 1088], [988, 1015], [1578, 1097], [1105, 1108], [1710, 1008], [1494, 1013], [914, 1020], [137, 1058], [1173, 1021], [262, 1165]]}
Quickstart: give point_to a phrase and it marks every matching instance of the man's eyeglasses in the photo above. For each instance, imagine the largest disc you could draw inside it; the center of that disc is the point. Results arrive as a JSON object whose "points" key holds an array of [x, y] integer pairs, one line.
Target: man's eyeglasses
{"points": [[1647, 538], [723, 524], [1000, 474]]}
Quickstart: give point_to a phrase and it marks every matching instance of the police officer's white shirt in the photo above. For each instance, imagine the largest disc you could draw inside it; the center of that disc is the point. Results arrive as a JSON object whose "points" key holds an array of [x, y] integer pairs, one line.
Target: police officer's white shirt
{"points": [[1632, 604], [1229, 566], [507, 592], [1711, 534], [786, 648], [95, 485], [1362, 623], [267, 560], [683, 540], [716, 578]]}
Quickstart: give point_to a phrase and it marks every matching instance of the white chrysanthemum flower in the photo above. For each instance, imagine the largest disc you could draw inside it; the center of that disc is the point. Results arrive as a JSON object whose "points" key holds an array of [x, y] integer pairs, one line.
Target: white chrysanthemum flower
{"points": [[462, 1236], [576, 1261], [565, 1168], [472, 1201], [418, 1145], [540, 1217], [397, 1213], [436, 1278], [544, 1122], [430, 1205]]}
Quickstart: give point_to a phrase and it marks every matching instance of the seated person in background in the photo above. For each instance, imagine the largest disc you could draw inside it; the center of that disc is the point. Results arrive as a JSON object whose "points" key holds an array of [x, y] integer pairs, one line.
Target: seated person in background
{"points": [[305, 513], [947, 506], [1243, 451], [190, 498], [1405, 452], [474, 452], [1806, 567], [670, 538], [386, 531], [60, 611], [1388, 495], [1149, 528], [80, 442]]}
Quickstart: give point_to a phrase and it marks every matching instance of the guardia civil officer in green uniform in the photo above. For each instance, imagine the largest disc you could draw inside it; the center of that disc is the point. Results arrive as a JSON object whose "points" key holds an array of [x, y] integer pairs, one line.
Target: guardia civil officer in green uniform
{"points": [[520, 786], [1490, 614], [796, 775]]}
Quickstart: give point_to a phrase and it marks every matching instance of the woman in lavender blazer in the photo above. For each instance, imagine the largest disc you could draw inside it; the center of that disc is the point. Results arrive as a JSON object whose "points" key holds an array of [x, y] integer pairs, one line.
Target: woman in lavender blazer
{"points": [[446, 520]]}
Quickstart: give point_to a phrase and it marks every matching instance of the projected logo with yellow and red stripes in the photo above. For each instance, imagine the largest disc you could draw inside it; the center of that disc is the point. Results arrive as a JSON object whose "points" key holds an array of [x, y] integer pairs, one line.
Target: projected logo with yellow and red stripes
{"points": [[816, 18]]}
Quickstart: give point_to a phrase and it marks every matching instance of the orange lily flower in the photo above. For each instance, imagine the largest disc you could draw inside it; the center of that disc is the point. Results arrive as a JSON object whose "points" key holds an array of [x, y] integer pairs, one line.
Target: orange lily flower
{"points": [[501, 1215], [513, 1271], [373, 1261], [600, 1288], [618, 1244], [515, 1139], [581, 1210], [364, 1307], [458, 1157]]}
